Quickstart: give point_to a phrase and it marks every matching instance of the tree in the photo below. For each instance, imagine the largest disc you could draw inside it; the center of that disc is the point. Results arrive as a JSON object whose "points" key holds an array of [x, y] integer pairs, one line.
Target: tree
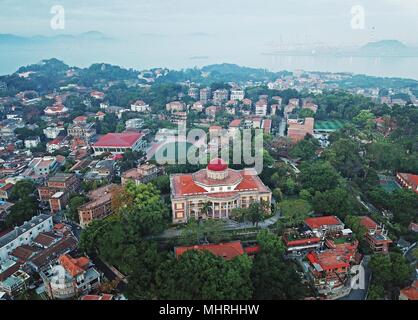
{"points": [[337, 201], [22, 189], [354, 223], [73, 205], [272, 277], [196, 232], [295, 211], [305, 149], [306, 113], [389, 272], [254, 213], [376, 292], [363, 118], [319, 175], [25, 203], [144, 263], [344, 155], [162, 183], [200, 275]]}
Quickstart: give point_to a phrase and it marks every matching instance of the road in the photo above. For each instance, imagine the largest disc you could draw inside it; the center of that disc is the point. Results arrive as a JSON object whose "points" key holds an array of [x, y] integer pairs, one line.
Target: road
{"points": [[282, 127], [360, 283]]}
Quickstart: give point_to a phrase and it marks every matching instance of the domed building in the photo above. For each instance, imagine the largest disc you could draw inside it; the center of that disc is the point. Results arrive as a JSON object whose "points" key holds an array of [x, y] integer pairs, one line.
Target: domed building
{"points": [[213, 193]]}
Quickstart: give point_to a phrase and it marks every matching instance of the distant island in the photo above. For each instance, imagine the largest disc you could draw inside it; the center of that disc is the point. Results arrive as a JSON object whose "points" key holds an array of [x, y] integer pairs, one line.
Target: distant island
{"points": [[16, 40], [382, 48]]}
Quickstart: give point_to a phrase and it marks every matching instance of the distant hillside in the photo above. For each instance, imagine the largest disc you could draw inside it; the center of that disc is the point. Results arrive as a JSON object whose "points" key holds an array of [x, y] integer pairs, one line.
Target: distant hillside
{"points": [[387, 48], [221, 73], [46, 66], [11, 39]]}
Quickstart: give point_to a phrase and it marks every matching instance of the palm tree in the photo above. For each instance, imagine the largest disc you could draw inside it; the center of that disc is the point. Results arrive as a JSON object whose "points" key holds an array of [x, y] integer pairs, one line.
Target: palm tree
{"points": [[207, 208]]}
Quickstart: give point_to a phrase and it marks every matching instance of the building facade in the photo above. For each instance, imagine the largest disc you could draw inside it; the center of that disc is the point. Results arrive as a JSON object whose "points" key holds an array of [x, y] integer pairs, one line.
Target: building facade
{"points": [[119, 143], [99, 206], [24, 234], [213, 193]]}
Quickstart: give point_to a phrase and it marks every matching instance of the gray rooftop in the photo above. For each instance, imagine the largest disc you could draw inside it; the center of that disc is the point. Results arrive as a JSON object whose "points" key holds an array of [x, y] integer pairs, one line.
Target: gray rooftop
{"points": [[12, 235]]}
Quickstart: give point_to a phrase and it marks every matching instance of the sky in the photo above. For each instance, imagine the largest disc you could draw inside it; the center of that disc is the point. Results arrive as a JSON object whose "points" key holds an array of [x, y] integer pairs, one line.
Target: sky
{"points": [[284, 21], [187, 33]]}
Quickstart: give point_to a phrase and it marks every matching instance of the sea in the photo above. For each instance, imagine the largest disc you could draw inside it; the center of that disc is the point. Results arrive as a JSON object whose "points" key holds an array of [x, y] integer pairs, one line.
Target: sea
{"points": [[178, 57]]}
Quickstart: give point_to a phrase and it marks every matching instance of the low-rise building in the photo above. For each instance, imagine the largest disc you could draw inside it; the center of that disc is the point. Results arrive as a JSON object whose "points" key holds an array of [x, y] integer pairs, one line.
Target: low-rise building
{"points": [[134, 124], [194, 93], [119, 143], [99, 206], [261, 108], [213, 193], [410, 293], [143, 174], [220, 96], [56, 110], [103, 170], [376, 236], [299, 128], [227, 251], [41, 167], [32, 142], [140, 106], [52, 132], [70, 277], [237, 94], [198, 106], [175, 106], [5, 190], [326, 225], [82, 130], [408, 181], [24, 234]]}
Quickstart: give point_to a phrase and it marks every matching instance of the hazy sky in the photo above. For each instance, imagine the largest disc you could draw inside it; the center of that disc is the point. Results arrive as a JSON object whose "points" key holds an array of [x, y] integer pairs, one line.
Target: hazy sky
{"points": [[187, 33], [286, 21]]}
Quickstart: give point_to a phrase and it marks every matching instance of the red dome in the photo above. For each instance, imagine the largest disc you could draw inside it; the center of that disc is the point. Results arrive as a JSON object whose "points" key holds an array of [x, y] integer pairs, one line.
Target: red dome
{"points": [[217, 165]]}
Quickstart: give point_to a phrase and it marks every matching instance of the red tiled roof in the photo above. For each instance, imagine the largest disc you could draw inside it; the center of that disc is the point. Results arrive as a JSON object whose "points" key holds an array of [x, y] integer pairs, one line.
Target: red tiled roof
{"points": [[184, 184], [45, 239], [126, 139], [315, 223], [6, 187], [74, 266], [235, 123], [410, 179], [227, 251], [368, 223], [299, 242], [328, 260], [411, 292], [252, 250]]}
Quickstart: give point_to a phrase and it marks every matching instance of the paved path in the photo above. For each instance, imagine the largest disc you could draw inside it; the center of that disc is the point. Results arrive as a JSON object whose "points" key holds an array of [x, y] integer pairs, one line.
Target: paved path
{"points": [[230, 225], [360, 283], [282, 127]]}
